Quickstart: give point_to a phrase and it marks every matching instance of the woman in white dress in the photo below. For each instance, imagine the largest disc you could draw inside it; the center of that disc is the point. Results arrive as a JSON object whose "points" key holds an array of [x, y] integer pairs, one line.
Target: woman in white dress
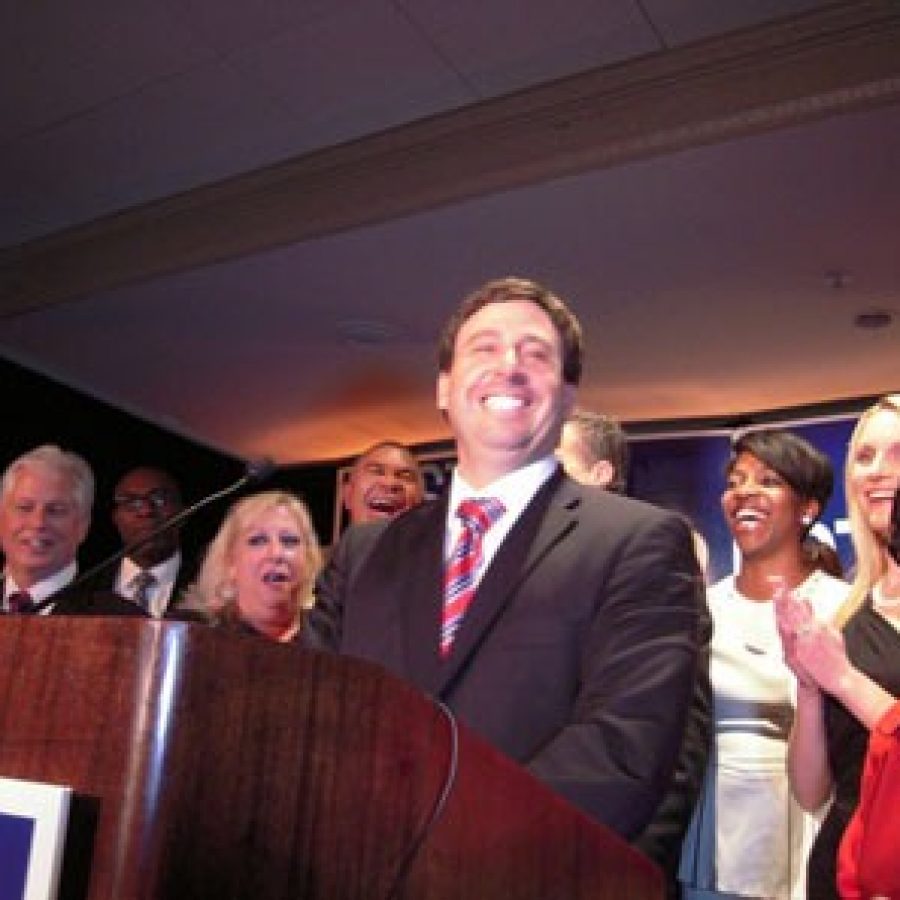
{"points": [[748, 838]]}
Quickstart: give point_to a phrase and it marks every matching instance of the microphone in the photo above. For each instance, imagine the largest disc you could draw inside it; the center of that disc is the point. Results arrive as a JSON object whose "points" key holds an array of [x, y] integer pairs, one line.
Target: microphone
{"points": [[255, 471]]}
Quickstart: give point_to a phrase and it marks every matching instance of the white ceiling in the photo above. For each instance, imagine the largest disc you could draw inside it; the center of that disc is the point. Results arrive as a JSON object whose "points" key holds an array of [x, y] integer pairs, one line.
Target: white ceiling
{"points": [[699, 272]]}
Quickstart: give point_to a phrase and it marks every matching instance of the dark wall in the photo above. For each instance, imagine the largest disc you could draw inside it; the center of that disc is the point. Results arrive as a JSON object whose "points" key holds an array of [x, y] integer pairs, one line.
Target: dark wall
{"points": [[38, 410]]}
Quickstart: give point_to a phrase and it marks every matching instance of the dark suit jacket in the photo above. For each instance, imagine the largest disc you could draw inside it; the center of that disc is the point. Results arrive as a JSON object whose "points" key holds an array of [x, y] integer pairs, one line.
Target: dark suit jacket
{"points": [[78, 600], [662, 839], [578, 655], [82, 600]]}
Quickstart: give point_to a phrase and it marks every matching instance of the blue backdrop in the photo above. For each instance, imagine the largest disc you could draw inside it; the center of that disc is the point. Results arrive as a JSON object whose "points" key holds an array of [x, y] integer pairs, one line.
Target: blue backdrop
{"points": [[687, 473]]}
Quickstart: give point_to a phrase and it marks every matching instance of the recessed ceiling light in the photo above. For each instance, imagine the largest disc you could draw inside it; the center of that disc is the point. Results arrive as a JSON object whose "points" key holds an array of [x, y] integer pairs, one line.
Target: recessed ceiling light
{"points": [[873, 319]]}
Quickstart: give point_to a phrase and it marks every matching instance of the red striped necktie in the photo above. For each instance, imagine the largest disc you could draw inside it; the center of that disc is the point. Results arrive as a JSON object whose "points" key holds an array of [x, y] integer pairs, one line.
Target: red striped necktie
{"points": [[19, 602], [460, 576]]}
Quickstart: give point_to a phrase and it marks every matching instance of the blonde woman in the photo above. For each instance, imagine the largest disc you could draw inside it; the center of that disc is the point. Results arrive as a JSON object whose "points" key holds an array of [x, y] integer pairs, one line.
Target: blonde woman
{"points": [[259, 571], [848, 675]]}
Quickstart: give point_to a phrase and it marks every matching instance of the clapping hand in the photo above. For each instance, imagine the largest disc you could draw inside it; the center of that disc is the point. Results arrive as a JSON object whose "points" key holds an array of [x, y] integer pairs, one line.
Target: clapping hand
{"points": [[814, 650], [793, 616]]}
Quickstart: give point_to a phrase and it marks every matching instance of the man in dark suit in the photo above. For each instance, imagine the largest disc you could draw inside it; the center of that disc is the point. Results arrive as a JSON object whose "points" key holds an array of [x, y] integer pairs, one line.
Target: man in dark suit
{"points": [[578, 654], [593, 449], [45, 513], [154, 573]]}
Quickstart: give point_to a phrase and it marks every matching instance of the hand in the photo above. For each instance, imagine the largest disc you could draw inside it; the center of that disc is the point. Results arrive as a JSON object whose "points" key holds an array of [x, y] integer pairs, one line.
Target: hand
{"points": [[820, 652], [794, 617]]}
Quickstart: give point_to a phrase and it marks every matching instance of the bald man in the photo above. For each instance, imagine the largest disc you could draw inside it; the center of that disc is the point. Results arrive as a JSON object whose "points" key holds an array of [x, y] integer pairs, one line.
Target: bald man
{"points": [[385, 480]]}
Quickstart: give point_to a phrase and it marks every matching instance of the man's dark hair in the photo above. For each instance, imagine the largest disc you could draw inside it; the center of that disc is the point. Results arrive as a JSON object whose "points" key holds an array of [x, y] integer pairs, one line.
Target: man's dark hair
{"points": [[380, 445], [506, 290], [602, 438], [394, 445], [806, 469]]}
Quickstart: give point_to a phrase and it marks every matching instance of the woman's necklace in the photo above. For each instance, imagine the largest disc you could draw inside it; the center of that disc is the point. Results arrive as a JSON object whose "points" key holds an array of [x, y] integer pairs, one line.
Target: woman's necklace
{"points": [[887, 606]]}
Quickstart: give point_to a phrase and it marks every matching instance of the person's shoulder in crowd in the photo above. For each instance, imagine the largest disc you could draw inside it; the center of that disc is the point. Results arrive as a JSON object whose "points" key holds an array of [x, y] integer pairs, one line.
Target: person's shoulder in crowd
{"points": [[80, 600]]}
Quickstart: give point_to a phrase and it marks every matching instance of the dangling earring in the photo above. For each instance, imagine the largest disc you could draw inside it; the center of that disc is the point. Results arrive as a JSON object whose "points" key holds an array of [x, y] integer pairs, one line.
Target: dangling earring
{"points": [[807, 520], [227, 592]]}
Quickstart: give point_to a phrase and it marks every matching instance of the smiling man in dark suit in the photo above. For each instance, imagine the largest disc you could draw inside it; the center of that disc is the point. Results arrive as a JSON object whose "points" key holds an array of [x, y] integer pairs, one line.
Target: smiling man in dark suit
{"points": [[577, 653]]}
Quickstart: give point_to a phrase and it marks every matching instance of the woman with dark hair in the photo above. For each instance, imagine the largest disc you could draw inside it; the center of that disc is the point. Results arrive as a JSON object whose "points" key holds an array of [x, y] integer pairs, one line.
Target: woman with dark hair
{"points": [[848, 673], [748, 838]]}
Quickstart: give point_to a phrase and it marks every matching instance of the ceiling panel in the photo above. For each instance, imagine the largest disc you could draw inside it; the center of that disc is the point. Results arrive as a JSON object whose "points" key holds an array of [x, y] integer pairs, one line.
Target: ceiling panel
{"points": [[205, 124], [357, 70], [505, 45], [229, 25], [682, 21], [63, 60]]}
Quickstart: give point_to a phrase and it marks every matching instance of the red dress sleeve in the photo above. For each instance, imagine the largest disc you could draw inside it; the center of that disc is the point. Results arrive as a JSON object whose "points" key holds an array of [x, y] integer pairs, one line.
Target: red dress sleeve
{"points": [[869, 855]]}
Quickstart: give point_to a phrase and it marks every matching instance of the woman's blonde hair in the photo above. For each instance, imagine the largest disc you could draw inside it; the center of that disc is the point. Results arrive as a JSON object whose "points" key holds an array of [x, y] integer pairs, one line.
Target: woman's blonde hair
{"points": [[869, 549], [213, 592]]}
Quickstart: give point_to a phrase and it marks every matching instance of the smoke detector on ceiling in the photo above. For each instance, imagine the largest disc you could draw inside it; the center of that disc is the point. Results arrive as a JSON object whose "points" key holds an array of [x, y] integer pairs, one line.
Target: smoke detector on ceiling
{"points": [[837, 279]]}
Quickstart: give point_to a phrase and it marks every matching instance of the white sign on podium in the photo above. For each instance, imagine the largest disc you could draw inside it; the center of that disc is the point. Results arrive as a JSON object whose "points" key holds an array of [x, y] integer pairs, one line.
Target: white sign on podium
{"points": [[33, 820]]}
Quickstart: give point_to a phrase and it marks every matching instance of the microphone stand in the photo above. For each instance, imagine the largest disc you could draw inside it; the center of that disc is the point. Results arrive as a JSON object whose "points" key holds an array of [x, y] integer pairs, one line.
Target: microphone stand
{"points": [[256, 471]]}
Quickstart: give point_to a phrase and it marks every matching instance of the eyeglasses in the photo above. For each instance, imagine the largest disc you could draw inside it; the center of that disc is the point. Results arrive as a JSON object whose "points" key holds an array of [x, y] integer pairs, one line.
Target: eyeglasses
{"points": [[156, 499]]}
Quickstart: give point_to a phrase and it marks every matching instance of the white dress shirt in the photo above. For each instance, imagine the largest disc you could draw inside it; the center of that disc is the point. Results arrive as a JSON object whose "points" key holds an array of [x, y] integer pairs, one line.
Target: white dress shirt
{"points": [[41, 590], [515, 491], [160, 593]]}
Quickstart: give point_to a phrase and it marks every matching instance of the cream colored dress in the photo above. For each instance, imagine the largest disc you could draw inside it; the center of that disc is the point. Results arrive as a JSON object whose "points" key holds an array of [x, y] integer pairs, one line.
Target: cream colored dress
{"points": [[748, 838]]}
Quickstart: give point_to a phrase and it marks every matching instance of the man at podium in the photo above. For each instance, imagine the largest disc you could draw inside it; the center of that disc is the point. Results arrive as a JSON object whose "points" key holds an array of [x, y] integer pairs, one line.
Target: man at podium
{"points": [[559, 621]]}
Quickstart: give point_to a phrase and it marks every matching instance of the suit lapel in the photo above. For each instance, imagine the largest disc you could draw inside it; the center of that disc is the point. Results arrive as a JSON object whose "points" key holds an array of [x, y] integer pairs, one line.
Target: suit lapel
{"points": [[549, 517], [421, 559]]}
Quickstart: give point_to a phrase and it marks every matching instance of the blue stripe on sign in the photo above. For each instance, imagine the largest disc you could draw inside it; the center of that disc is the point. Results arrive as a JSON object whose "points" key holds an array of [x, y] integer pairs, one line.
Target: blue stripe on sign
{"points": [[16, 835]]}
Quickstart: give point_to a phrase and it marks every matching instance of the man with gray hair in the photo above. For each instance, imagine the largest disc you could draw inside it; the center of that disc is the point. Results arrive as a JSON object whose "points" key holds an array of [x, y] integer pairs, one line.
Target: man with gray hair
{"points": [[45, 513]]}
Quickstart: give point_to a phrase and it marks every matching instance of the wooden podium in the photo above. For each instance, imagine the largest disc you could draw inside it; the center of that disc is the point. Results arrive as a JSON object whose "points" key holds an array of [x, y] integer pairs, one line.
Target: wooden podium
{"points": [[215, 765]]}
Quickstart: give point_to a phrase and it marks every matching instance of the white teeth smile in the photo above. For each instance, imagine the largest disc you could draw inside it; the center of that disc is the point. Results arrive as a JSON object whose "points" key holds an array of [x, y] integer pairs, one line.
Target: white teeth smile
{"points": [[749, 515], [379, 504], [503, 402]]}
